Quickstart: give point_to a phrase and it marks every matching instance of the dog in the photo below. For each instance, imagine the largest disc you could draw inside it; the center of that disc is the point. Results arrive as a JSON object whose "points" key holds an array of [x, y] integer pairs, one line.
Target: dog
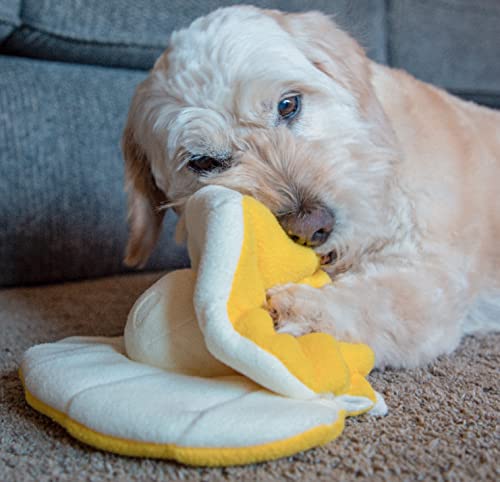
{"points": [[393, 182]]}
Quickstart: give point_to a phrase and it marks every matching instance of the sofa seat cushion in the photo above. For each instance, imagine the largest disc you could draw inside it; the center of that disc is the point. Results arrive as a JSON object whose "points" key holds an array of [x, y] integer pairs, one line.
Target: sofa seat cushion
{"points": [[62, 202], [451, 43], [133, 34]]}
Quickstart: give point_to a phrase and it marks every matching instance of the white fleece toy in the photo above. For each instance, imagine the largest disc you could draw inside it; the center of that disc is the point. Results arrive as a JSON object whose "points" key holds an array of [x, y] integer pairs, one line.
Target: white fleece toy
{"points": [[200, 375]]}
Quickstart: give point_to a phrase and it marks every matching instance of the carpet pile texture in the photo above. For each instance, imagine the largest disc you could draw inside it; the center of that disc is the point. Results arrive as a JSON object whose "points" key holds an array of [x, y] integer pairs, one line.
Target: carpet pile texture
{"points": [[443, 421]]}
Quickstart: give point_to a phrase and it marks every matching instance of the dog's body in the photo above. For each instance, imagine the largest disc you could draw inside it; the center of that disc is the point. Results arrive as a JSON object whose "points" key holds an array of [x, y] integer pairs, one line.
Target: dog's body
{"points": [[409, 174]]}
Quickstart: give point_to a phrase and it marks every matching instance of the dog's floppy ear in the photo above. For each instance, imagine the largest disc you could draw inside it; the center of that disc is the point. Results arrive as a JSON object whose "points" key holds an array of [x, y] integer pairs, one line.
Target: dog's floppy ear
{"points": [[144, 199], [144, 196], [338, 55]]}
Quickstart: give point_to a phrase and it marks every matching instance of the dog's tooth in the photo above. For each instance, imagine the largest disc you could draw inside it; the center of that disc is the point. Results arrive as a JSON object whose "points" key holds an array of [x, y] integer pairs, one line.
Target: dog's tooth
{"points": [[328, 258]]}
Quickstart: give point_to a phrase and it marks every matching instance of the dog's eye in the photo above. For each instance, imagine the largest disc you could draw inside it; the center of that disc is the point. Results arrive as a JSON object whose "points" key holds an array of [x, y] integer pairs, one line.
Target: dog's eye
{"points": [[204, 164], [289, 107]]}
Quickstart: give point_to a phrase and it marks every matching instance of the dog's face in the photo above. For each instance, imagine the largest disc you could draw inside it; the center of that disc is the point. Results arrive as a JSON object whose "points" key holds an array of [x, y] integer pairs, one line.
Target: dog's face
{"points": [[278, 106]]}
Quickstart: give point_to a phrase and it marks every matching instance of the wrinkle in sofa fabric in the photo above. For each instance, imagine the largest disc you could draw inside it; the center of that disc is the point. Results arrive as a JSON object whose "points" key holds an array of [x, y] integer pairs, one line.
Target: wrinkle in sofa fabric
{"points": [[10, 18], [132, 34]]}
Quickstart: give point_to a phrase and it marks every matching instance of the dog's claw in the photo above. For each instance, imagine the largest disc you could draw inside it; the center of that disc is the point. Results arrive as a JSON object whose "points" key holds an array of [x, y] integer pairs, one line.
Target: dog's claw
{"points": [[274, 314]]}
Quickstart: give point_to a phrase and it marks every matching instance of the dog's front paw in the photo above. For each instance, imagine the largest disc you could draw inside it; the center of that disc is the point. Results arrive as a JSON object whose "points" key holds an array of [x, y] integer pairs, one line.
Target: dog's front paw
{"points": [[292, 327], [289, 310]]}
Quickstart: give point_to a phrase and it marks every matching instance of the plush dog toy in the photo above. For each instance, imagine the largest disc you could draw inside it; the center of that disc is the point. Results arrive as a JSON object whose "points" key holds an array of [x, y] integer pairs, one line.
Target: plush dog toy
{"points": [[200, 375]]}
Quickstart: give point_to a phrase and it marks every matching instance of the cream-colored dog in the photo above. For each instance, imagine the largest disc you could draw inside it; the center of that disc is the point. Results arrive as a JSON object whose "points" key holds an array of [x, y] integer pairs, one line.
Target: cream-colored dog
{"points": [[395, 182]]}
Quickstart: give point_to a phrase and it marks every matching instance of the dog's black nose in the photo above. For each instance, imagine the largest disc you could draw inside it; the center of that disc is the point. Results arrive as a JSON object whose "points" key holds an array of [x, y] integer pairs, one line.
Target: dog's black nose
{"points": [[309, 228]]}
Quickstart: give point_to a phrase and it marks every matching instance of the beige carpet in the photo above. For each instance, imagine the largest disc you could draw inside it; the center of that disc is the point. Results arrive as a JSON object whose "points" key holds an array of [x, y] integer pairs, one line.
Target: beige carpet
{"points": [[442, 424]]}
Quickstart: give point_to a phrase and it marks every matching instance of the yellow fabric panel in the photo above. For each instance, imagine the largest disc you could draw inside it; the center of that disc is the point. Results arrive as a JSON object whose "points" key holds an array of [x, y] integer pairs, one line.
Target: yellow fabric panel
{"points": [[359, 357], [361, 388], [248, 291], [278, 258], [316, 280], [199, 456], [269, 258], [329, 364]]}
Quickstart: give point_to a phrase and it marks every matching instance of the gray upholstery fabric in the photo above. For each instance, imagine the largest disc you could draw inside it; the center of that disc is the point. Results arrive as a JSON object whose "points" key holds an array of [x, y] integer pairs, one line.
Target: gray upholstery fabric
{"points": [[62, 205], [9, 17], [130, 33], [452, 43]]}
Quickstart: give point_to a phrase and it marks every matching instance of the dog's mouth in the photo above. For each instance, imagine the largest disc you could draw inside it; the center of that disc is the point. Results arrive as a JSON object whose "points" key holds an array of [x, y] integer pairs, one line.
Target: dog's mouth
{"points": [[328, 258]]}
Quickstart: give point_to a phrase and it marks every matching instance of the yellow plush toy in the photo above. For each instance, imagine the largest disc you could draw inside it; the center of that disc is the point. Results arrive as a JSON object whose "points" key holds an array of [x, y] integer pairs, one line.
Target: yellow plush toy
{"points": [[200, 375], [269, 258]]}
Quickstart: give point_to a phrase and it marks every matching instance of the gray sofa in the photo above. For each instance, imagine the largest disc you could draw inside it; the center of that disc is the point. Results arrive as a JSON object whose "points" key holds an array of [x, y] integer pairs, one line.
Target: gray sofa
{"points": [[67, 72]]}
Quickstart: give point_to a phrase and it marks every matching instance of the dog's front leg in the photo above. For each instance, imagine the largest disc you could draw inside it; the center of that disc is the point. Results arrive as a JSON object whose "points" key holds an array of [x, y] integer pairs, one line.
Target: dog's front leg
{"points": [[407, 315]]}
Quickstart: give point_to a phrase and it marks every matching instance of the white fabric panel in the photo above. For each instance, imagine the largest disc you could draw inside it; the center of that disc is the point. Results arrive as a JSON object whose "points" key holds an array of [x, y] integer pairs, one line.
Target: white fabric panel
{"points": [[214, 220], [162, 329], [258, 417], [56, 379], [97, 386]]}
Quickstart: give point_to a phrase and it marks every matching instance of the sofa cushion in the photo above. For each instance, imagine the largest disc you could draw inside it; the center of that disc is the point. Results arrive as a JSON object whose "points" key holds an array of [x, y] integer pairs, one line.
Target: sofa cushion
{"points": [[62, 205], [452, 43], [9, 17], [133, 34]]}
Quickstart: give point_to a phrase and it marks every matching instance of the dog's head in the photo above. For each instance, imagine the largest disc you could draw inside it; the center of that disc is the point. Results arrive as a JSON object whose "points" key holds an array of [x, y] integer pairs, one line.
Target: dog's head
{"points": [[278, 106]]}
